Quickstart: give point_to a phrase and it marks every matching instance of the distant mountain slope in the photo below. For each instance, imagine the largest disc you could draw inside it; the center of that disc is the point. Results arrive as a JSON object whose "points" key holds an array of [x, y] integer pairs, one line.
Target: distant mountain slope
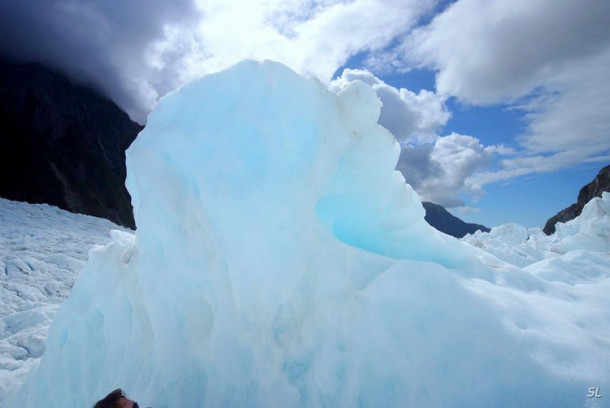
{"points": [[445, 222], [595, 188], [62, 144]]}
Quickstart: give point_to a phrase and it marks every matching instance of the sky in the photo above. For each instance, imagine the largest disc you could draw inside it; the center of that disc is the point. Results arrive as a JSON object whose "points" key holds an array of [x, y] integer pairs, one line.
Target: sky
{"points": [[501, 107]]}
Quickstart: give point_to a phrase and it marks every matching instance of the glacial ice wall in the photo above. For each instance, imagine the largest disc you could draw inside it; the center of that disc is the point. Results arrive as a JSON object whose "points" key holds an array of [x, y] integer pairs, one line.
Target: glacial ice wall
{"points": [[280, 260]]}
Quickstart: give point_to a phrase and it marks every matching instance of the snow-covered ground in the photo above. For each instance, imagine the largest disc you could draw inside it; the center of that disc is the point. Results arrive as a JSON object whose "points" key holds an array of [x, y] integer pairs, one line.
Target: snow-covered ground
{"points": [[281, 261], [42, 251]]}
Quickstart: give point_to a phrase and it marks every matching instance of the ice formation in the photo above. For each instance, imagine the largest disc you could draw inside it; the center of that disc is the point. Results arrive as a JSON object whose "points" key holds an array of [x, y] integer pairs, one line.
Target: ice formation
{"points": [[512, 243], [522, 247], [42, 251], [589, 231], [280, 260]]}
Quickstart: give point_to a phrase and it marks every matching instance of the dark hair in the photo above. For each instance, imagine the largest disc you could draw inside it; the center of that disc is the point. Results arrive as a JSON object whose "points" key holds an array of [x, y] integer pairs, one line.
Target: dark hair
{"points": [[111, 400]]}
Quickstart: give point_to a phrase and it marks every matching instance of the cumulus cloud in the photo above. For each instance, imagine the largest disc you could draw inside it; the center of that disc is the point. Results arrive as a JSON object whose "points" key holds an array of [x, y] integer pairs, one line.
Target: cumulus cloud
{"points": [[488, 51], [412, 118], [442, 170], [546, 58], [138, 50], [575, 115]]}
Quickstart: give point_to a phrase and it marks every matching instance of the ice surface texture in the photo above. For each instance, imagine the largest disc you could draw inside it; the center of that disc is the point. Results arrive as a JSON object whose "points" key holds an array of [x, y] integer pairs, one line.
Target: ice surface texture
{"points": [[280, 261], [42, 251], [522, 247]]}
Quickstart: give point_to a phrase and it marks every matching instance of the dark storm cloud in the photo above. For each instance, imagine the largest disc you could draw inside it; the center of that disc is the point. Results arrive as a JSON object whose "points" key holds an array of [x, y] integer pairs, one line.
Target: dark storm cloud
{"points": [[95, 41]]}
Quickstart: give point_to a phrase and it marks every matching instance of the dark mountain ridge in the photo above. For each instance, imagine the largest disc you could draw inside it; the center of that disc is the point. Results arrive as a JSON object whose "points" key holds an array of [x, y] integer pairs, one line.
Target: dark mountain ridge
{"points": [[595, 188], [441, 219], [62, 144]]}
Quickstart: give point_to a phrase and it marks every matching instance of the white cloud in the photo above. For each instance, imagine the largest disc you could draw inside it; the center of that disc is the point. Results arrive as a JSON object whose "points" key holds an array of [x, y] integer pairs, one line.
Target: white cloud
{"points": [[341, 31], [439, 171], [520, 166], [567, 127], [489, 51], [138, 50], [547, 58], [311, 37], [412, 118], [460, 211], [576, 115]]}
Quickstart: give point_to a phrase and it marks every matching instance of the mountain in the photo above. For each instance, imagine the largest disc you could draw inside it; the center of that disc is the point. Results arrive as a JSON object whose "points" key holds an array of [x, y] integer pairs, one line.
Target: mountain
{"points": [[444, 221], [595, 188], [62, 144]]}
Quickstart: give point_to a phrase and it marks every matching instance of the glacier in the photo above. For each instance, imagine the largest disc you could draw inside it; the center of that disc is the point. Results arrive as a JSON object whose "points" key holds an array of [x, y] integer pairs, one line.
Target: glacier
{"points": [[523, 247], [42, 251], [280, 260]]}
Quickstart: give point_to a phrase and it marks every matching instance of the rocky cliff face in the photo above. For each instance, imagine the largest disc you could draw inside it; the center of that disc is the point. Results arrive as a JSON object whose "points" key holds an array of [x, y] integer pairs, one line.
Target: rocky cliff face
{"points": [[595, 188], [444, 221], [62, 144]]}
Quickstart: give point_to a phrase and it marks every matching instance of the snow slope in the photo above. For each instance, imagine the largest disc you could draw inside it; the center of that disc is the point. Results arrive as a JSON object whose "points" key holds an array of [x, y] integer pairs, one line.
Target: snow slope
{"points": [[42, 251], [280, 260]]}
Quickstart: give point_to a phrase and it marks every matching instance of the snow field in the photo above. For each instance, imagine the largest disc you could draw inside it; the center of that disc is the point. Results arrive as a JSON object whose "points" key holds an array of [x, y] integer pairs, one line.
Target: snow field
{"points": [[42, 251]]}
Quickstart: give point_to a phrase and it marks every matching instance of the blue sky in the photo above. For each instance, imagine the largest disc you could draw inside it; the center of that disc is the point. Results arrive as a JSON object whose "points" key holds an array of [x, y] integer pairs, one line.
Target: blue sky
{"points": [[502, 107]]}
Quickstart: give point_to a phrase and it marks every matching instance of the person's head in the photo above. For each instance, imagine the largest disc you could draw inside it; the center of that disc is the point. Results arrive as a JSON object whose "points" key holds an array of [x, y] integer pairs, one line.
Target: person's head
{"points": [[116, 399]]}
